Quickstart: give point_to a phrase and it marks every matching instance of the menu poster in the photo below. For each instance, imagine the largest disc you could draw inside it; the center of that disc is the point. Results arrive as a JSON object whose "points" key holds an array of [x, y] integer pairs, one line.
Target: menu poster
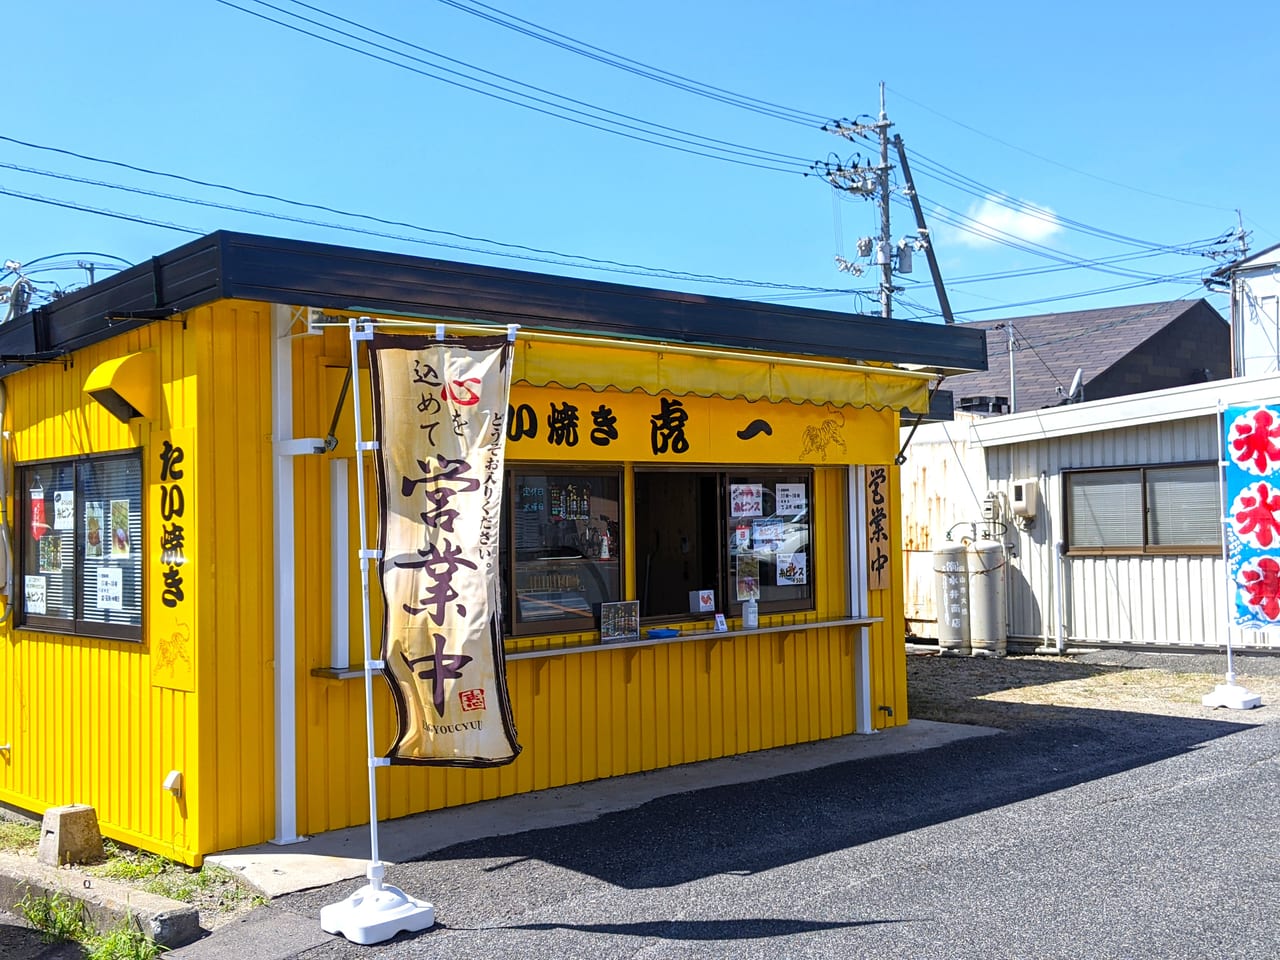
{"points": [[746, 500], [790, 499], [748, 578]]}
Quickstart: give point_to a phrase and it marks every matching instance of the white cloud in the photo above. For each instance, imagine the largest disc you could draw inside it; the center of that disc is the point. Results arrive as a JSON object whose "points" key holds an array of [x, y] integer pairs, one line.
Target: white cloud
{"points": [[995, 219]]}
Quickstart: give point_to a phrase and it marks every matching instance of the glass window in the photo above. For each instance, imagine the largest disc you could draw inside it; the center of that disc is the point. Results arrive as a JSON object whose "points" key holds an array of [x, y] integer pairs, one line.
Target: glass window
{"points": [[565, 532], [79, 546], [741, 535], [1166, 509]]}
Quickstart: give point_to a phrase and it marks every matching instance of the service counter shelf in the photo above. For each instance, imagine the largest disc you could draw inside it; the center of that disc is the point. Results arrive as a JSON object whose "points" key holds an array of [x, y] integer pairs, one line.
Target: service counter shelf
{"points": [[598, 647]]}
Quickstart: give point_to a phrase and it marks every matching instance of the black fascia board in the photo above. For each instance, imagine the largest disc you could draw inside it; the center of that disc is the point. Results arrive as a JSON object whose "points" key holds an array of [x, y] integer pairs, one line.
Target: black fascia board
{"points": [[354, 280], [304, 273]]}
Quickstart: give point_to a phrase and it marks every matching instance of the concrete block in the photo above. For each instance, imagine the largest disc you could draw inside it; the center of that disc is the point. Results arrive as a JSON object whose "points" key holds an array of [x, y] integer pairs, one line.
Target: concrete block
{"points": [[70, 835], [106, 903]]}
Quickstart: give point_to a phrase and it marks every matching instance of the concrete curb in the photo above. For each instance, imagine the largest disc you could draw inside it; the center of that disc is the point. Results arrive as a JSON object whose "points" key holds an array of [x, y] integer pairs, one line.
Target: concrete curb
{"points": [[107, 904]]}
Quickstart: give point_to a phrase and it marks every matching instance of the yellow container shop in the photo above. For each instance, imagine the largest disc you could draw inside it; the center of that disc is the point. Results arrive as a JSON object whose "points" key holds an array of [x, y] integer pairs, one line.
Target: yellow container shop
{"points": [[182, 634]]}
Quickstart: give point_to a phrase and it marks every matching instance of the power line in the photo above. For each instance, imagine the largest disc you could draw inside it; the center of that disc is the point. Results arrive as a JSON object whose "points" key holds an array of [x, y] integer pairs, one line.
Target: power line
{"points": [[551, 256], [637, 67], [1056, 163], [721, 150]]}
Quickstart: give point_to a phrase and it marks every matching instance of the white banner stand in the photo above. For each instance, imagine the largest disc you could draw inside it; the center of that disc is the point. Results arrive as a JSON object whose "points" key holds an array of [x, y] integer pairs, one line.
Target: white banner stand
{"points": [[377, 911], [1229, 694]]}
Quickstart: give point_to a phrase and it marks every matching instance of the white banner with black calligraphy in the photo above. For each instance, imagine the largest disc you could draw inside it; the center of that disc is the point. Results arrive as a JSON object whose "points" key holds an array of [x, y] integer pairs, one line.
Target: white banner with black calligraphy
{"points": [[440, 411]]}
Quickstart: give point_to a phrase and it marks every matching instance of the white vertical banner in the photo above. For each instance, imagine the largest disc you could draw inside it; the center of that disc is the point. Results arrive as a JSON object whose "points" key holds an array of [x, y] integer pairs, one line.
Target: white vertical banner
{"points": [[439, 413]]}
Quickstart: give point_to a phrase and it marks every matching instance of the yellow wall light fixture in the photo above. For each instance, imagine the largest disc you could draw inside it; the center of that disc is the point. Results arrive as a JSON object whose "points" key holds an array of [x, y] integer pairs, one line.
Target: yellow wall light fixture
{"points": [[126, 386]]}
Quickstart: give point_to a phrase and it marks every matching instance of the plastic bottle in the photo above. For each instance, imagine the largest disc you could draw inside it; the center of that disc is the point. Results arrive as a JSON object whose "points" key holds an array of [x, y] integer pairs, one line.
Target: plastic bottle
{"points": [[750, 615]]}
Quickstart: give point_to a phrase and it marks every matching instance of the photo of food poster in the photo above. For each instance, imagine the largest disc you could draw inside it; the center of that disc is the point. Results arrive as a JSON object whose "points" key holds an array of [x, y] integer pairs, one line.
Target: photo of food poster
{"points": [[793, 569], [741, 538], [748, 579], [746, 500], [1251, 442], [34, 592], [790, 499], [51, 554], [64, 510], [110, 588], [93, 530], [120, 544], [767, 534]]}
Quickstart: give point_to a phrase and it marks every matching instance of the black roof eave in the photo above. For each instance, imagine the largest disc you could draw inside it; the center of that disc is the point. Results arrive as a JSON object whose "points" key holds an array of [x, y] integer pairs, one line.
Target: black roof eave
{"points": [[246, 266]]}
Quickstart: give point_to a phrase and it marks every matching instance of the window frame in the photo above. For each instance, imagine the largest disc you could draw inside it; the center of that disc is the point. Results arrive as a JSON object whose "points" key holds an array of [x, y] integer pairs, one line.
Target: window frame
{"points": [[725, 477], [27, 548], [513, 626], [1146, 548]]}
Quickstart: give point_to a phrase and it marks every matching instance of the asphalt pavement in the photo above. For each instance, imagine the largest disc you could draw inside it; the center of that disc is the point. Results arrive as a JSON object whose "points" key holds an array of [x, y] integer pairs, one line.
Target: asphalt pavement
{"points": [[1092, 834]]}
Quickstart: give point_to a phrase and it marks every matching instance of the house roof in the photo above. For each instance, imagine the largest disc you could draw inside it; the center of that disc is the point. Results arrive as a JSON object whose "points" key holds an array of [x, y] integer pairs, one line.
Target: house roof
{"points": [[1049, 348], [226, 265]]}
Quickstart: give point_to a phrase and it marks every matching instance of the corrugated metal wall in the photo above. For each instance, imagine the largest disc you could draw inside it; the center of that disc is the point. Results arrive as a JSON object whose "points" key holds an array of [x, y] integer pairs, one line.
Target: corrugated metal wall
{"points": [[84, 722], [88, 721], [587, 715], [1148, 600], [943, 482], [235, 643]]}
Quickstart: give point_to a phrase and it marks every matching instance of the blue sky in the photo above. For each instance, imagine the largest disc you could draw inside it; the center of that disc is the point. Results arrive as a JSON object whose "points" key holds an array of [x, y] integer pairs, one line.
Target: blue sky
{"points": [[1056, 135]]}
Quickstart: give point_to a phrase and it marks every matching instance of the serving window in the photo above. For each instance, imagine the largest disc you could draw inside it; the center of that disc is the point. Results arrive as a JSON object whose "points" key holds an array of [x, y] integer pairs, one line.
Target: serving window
{"points": [[743, 536], [564, 546], [700, 536]]}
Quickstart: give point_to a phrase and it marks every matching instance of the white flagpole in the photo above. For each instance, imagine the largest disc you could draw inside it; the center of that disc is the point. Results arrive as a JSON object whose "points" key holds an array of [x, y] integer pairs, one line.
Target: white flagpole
{"points": [[1228, 694], [377, 911]]}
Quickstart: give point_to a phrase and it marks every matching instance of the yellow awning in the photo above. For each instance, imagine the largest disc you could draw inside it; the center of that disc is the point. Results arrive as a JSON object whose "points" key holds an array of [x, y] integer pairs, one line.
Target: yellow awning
{"points": [[543, 359], [126, 385]]}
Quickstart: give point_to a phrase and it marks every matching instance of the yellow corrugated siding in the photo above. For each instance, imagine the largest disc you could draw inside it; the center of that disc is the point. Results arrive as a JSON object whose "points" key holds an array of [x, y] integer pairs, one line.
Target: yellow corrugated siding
{"points": [[85, 722], [232, 351], [579, 716]]}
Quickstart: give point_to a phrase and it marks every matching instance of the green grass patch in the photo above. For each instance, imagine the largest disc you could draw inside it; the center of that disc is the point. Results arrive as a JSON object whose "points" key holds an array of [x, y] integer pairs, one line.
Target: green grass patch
{"points": [[58, 917], [19, 836], [123, 942]]}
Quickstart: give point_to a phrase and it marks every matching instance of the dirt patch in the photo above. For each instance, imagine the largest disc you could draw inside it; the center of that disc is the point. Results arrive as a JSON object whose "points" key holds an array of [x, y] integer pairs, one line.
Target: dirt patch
{"points": [[1014, 692]]}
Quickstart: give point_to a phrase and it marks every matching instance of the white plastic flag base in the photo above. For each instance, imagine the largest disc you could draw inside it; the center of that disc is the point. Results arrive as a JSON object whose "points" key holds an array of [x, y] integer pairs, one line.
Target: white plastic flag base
{"points": [[376, 913], [1233, 696]]}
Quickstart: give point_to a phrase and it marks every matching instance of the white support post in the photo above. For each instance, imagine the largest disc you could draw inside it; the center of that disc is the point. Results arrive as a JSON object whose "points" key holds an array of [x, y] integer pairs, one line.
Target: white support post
{"points": [[339, 563], [858, 602], [1229, 694], [378, 910], [284, 576]]}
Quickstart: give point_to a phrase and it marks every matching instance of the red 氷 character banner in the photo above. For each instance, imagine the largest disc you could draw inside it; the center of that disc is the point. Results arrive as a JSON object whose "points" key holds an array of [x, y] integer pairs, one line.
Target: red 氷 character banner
{"points": [[1251, 446], [440, 408]]}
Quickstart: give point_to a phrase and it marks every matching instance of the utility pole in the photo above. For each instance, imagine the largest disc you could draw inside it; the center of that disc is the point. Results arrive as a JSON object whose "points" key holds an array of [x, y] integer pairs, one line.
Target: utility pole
{"points": [[872, 180], [884, 247], [1007, 327]]}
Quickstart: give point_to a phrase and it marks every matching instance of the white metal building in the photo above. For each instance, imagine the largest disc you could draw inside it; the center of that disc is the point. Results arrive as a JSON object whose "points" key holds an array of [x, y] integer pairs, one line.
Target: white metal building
{"points": [[1255, 312], [1121, 538]]}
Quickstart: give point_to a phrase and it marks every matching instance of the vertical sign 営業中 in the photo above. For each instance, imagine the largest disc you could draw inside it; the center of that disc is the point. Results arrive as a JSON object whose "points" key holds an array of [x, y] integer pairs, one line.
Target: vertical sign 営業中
{"points": [[879, 542], [439, 412]]}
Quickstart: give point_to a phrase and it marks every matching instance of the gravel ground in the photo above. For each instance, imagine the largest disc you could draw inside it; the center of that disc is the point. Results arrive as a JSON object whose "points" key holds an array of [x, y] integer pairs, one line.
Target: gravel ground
{"points": [[1011, 693]]}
